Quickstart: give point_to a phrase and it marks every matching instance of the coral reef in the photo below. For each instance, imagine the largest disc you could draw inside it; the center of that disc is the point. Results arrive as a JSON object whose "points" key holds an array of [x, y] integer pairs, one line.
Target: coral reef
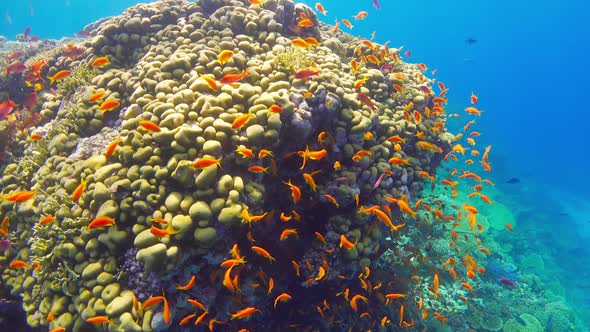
{"points": [[244, 163]]}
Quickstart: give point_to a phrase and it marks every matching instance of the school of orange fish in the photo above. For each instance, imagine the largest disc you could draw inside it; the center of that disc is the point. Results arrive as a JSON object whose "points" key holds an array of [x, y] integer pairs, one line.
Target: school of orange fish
{"points": [[377, 301]]}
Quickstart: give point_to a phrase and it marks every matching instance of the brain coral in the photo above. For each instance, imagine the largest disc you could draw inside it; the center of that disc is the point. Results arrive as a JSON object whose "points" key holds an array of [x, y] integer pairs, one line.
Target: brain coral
{"points": [[248, 173]]}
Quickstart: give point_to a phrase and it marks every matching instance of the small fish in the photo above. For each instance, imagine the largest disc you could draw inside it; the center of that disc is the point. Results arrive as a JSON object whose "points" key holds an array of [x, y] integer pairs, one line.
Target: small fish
{"points": [[284, 297], [6, 107], [305, 74], [295, 191], [346, 243], [59, 76], [361, 15], [188, 285], [507, 282], [79, 190], [20, 196], [258, 169], [210, 82], [305, 23], [47, 220], [366, 100], [376, 4], [98, 320], [300, 43], [224, 57], [513, 180], [262, 252], [15, 68], [112, 147], [31, 100], [241, 120], [245, 313], [96, 97], [207, 162], [101, 222], [321, 9], [474, 99], [109, 105], [160, 233], [332, 200], [38, 66], [17, 264], [473, 111], [100, 62], [234, 78], [244, 151], [347, 23], [149, 126]]}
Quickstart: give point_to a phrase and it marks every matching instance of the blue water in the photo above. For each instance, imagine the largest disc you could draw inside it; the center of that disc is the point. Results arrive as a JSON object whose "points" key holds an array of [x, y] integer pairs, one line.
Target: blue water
{"points": [[529, 68]]}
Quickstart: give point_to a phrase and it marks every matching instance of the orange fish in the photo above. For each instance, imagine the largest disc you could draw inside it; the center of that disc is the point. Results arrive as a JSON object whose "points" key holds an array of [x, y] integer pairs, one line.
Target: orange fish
{"points": [[245, 313], [111, 148], [100, 62], [109, 105], [305, 23], [160, 233], [98, 320], [207, 162], [300, 43], [305, 74], [96, 97], [295, 191], [186, 319], [210, 82], [20, 197], [59, 76], [258, 169], [346, 243], [308, 177], [284, 297], [262, 252], [79, 190], [101, 222], [399, 161], [473, 111], [18, 264], [474, 99], [321, 9], [58, 329], [47, 220], [149, 125], [508, 226], [150, 302], [288, 232], [241, 120], [244, 151], [331, 199], [347, 23], [224, 57], [360, 16], [234, 78]]}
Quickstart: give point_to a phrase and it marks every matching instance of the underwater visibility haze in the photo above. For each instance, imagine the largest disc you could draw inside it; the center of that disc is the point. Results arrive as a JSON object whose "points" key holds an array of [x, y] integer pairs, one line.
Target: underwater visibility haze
{"points": [[270, 165]]}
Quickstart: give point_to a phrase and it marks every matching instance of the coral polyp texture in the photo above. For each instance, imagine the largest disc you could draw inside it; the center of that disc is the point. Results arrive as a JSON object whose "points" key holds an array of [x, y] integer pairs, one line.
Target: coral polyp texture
{"points": [[226, 167]]}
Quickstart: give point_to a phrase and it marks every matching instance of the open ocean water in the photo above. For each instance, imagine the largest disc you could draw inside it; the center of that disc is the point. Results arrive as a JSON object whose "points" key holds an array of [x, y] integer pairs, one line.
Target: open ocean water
{"points": [[527, 61]]}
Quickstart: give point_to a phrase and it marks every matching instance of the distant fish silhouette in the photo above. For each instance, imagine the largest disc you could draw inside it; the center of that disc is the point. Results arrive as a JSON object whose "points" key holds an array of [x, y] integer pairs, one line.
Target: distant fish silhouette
{"points": [[519, 320], [513, 180], [471, 40]]}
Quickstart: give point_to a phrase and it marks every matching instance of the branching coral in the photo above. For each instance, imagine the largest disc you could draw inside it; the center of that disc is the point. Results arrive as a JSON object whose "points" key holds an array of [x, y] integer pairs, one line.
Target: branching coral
{"points": [[291, 59], [80, 76]]}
